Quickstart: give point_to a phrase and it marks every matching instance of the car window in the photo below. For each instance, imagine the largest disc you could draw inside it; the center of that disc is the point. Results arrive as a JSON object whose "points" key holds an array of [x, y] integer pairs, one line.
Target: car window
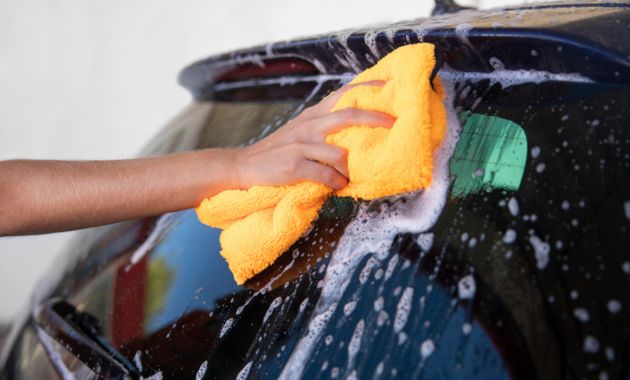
{"points": [[523, 274]]}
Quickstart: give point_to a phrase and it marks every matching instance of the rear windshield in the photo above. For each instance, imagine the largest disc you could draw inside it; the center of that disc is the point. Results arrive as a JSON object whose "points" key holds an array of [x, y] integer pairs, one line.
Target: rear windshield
{"points": [[525, 272]]}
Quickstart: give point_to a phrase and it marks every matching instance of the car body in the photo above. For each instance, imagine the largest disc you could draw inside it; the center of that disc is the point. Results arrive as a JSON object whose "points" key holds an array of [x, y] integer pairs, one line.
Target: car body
{"points": [[523, 273]]}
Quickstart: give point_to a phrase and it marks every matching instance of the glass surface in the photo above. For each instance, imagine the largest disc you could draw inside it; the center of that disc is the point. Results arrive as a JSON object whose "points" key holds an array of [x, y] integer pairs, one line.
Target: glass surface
{"points": [[525, 274]]}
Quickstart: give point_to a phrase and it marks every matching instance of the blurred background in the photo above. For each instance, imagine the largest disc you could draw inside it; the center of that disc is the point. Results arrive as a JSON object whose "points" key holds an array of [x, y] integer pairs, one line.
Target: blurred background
{"points": [[95, 79]]}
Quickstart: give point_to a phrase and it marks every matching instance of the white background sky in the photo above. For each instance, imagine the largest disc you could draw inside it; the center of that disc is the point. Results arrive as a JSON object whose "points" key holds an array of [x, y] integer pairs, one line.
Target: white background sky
{"points": [[95, 79]]}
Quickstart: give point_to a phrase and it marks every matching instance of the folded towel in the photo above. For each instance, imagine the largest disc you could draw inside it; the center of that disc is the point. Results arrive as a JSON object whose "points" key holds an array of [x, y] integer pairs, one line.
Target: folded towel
{"points": [[262, 222]]}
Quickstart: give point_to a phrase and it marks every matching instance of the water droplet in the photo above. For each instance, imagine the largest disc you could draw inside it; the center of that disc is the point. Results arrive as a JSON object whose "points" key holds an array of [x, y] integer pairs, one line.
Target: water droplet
{"points": [[510, 236], [513, 206], [427, 348], [581, 314], [535, 152], [590, 345], [541, 251], [466, 328], [614, 306]]}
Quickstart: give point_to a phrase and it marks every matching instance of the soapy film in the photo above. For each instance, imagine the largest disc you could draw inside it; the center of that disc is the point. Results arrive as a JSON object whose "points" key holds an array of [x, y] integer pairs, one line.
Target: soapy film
{"points": [[372, 234]]}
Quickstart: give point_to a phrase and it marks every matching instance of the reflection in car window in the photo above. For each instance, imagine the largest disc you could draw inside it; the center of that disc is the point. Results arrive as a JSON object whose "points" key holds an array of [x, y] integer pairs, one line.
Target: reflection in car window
{"points": [[524, 273]]}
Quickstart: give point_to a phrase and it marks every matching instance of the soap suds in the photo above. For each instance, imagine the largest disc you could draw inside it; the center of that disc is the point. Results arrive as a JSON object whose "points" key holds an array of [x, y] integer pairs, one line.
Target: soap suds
{"points": [[355, 343], [242, 375], [466, 287], [513, 206], [613, 306], [226, 327], [372, 234], [427, 348], [510, 236], [274, 304], [402, 309], [541, 251], [425, 241], [507, 78], [581, 314], [201, 372], [591, 344]]}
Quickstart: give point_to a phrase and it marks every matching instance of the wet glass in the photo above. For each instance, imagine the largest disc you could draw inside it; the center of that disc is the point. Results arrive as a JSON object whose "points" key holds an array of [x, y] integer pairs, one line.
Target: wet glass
{"points": [[524, 274]]}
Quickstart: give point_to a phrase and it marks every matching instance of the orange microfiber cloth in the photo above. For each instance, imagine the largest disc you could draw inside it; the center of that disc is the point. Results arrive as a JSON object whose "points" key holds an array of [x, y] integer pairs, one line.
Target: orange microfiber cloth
{"points": [[260, 223]]}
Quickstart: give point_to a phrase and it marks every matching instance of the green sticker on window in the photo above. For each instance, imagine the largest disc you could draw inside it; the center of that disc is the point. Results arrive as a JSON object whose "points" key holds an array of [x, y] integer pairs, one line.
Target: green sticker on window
{"points": [[491, 154]]}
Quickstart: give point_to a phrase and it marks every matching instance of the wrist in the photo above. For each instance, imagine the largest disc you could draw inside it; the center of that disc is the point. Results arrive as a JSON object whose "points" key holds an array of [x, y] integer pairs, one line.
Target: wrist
{"points": [[238, 167]]}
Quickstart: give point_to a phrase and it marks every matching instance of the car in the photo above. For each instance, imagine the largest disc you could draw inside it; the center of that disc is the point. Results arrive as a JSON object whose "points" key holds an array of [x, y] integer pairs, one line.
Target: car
{"points": [[516, 266]]}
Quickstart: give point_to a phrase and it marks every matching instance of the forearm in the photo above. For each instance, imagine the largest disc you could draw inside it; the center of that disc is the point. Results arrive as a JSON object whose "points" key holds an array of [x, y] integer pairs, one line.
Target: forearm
{"points": [[47, 196]]}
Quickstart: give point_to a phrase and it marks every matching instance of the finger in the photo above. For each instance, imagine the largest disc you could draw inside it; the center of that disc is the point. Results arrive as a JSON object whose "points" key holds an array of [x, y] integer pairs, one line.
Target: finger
{"points": [[324, 174], [329, 101], [335, 121], [328, 154]]}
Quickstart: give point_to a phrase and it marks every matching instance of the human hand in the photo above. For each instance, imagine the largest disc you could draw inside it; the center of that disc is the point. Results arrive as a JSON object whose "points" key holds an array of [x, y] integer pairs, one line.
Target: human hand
{"points": [[298, 151]]}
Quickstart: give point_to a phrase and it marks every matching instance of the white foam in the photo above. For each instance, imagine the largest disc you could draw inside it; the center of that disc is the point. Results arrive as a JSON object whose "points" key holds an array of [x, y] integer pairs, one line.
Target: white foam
{"points": [[613, 306], [541, 251], [137, 360], [155, 376], [367, 269], [510, 236], [496, 63], [379, 273], [591, 344], [299, 357], [355, 342], [379, 303], [466, 287], [382, 318], [303, 304], [508, 78], [425, 241], [513, 206], [370, 41], [466, 328], [402, 309], [427, 348], [349, 307], [284, 81], [372, 233], [581, 314], [201, 372], [391, 265], [226, 327], [462, 30], [243, 373], [535, 152], [274, 304]]}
